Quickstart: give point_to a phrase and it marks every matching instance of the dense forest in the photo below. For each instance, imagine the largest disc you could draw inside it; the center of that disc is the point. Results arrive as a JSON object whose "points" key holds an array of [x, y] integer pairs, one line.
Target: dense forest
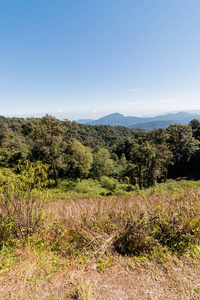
{"points": [[72, 150]]}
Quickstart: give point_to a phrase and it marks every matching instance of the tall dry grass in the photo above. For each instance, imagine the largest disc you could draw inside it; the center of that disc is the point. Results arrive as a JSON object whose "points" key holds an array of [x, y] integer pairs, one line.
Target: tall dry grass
{"points": [[128, 225], [84, 245]]}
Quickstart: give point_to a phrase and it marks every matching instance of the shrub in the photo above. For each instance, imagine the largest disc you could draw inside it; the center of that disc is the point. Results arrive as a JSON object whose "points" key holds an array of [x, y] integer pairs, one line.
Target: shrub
{"points": [[134, 240], [174, 224], [20, 201], [108, 183], [175, 230], [87, 186]]}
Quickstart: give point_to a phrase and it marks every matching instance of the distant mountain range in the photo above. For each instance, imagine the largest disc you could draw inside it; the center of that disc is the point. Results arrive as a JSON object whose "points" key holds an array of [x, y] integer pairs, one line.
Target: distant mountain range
{"points": [[148, 123]]}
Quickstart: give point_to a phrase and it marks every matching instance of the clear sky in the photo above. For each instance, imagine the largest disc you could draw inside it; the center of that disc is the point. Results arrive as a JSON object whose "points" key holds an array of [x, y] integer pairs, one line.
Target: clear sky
{"points": [[89, 58]]}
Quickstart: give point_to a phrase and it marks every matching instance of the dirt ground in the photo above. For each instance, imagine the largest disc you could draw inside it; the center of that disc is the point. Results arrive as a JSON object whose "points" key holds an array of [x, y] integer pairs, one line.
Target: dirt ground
{"points": [[127, 279]]}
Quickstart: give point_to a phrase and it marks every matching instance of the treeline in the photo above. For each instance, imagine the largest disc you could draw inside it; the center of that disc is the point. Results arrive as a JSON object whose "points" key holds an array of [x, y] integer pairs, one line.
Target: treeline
{"points": [[72, 150]]}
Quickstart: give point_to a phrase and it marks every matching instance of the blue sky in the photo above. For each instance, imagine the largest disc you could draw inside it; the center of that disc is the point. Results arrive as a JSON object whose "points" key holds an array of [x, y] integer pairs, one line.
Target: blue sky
{"points": [[89, 58]]}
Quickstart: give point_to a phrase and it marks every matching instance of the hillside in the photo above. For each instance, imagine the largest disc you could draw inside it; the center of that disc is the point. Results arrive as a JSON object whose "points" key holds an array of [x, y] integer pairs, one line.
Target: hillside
{"points": [[157, 124], [148, 123]]}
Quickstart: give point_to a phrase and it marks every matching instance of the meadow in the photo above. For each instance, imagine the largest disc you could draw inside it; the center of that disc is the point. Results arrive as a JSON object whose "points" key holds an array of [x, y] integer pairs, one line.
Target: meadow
{"points": [[98, 240]]}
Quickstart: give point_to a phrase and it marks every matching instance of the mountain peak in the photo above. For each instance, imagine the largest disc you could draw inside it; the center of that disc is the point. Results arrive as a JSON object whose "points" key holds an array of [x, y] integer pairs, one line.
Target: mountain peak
{"points": [[115, 114], [117, 119]]}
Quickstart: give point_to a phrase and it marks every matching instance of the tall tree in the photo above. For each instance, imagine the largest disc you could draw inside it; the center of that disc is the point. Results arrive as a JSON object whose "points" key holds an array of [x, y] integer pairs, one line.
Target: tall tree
{"points": [[80, 160], [183, 145], [49, 141], [12, 146], [102, 163], [151, 162], [195, 124], [141, 156]]}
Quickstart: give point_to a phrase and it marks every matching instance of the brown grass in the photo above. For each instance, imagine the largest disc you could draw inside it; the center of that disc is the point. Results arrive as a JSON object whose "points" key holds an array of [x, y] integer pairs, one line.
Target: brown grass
{"points": [[126, 279], [73, 256]]}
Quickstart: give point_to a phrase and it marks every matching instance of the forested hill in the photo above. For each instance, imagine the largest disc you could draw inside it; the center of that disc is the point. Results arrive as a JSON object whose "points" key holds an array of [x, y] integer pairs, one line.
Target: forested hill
{"points": [[158, 124], [148, 123], [72, 150], [91, 135]]}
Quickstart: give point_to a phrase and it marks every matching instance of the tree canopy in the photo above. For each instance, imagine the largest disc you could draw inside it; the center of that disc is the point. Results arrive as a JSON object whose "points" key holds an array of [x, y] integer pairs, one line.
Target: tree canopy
{"points": [[71, 150]]}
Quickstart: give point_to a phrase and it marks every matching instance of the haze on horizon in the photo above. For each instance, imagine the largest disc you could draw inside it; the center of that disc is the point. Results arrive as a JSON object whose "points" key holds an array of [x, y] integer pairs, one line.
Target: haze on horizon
{"points": [[87, 58]]}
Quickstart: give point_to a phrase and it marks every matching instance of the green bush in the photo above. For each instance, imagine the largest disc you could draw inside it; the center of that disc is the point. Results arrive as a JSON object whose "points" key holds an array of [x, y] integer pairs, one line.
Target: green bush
{"points": [[108, 183], [91, 187], [66, 185]]}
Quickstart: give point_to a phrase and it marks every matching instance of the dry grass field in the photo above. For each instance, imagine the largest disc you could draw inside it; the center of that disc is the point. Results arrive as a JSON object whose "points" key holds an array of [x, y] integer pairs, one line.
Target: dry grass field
{"points": [[118, 247]]}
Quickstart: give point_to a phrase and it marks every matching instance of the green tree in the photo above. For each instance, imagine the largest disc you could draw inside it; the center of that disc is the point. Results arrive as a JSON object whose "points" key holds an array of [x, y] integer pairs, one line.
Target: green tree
{"points": [[195, 124], [183, 145], [80, 160], [181, 142], [12, 147], [124, 146], [102, 163], [49, 142], [159, 164], [157, 136], [141, 156], [151, 162], [120, 167]]}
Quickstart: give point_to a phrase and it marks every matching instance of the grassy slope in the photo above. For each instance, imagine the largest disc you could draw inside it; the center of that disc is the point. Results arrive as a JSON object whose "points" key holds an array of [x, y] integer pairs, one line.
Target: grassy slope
{"points": [[75, 253]]}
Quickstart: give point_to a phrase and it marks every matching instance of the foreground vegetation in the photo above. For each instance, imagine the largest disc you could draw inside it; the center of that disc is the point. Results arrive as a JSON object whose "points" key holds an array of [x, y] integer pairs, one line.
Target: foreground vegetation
{"points": [[62, 244]]}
